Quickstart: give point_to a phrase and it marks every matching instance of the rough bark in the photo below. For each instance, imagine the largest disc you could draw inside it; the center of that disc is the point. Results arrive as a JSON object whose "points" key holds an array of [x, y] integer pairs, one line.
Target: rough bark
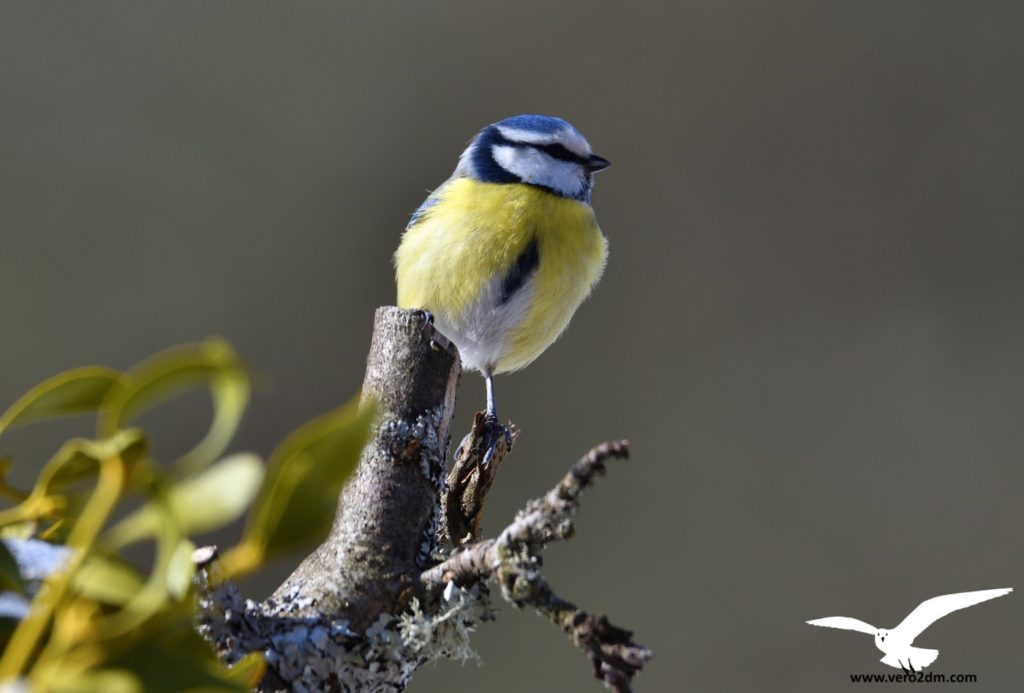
{"points": [[387, 514], [402, 578]]}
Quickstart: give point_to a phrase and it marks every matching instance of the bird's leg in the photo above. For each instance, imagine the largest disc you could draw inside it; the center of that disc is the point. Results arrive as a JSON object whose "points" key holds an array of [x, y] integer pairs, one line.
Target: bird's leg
{"points": [[492, 408], [493, 422]]}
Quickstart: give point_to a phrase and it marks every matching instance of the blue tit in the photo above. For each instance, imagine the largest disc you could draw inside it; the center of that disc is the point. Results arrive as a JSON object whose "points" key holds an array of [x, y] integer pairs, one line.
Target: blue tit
{"points": [[503, 252]]}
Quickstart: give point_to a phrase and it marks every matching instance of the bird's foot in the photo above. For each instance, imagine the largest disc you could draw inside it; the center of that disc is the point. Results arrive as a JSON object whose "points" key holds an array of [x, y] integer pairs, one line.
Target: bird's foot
{"points": [[909, 669], [438, 342], [476, 464], [496, 433]]}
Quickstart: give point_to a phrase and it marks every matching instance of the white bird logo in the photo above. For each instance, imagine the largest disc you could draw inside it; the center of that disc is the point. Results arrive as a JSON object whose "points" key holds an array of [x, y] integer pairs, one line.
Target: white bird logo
{"points": [[897, 642]]}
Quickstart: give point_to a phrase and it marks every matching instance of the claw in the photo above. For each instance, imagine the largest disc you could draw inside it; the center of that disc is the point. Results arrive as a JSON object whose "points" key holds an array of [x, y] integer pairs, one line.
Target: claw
{"points": [[492, 445], [438, 342]]}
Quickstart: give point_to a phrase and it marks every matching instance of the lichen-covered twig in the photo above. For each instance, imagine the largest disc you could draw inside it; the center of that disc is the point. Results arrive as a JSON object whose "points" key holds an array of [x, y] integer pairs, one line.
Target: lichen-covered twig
{"points": [[542, 521], [513, 561]]}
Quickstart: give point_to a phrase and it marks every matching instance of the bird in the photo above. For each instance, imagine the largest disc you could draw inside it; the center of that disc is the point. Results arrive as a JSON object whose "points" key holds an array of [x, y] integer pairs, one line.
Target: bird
{"points": [[897, 642], [502, 253]]}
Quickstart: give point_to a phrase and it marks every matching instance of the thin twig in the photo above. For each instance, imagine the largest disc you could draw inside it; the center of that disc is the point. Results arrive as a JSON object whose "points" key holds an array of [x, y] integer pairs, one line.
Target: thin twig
{"points": [[512, 560]]}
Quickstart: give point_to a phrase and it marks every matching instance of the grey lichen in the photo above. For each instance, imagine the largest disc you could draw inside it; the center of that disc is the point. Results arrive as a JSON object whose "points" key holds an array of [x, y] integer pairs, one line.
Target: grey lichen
{"points": [[429, 452], [430, 552], [430, 449], [445, 633], [302, 651]]}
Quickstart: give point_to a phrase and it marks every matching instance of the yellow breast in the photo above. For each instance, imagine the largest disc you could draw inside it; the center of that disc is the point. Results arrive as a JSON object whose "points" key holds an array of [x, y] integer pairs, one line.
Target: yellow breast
{"points": [[449, 260]]}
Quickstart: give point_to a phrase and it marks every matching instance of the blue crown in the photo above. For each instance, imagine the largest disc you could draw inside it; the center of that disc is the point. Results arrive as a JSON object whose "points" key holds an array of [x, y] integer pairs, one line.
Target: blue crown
{"points": [[542, 124]]}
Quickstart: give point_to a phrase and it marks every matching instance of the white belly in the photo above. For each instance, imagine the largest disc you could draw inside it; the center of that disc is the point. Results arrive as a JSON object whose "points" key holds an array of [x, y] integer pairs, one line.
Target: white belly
{"points": [[481, 332]]}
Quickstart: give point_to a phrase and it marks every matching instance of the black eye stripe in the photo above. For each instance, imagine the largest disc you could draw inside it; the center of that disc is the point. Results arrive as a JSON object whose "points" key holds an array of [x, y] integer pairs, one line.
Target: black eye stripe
{"points": [[557, 151], [554, 150]]}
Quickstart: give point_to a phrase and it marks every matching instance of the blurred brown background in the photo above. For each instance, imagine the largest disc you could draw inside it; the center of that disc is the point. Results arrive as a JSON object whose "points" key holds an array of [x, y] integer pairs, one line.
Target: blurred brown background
{"points": [[810, 327]]}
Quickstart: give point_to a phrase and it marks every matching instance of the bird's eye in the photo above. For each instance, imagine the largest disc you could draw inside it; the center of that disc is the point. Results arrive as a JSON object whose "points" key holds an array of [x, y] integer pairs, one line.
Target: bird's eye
{"points": [[559, 152]]}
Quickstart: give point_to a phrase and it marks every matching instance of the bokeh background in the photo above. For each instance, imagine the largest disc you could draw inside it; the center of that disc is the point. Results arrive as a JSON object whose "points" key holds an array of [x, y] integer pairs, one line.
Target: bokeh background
{"points": [[810, 326]]}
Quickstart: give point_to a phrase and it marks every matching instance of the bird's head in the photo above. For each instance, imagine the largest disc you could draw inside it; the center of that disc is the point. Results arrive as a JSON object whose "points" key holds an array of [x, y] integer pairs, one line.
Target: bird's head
{"points": [[537, 150], [880, 637]]}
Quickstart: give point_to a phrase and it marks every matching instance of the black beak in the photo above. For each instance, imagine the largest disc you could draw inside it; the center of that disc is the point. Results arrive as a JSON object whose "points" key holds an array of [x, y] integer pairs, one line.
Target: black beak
{"points": [[597, 163]]}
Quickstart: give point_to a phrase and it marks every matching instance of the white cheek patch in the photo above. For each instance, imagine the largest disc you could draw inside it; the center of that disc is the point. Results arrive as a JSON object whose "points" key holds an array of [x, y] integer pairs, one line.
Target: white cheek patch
{"points": [[532, 166], [505, 155]]}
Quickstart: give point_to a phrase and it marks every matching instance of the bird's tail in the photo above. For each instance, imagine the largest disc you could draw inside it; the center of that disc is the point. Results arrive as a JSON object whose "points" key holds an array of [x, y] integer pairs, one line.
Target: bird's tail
{"points": [[921, 657], [916, 658]]}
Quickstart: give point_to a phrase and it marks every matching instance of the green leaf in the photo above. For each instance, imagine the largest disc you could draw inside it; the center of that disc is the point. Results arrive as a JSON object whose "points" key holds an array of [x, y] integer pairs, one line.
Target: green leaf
{"points": [[106, 680], [64, 484], [70, 392], [79, 459], [305, 474], [19, 530], [213, 498], [248, 671], [10, 616], [180, 570], [162, 581], [212, 364], [170, 662], [106, 579], [6, 463], [10, 574]]}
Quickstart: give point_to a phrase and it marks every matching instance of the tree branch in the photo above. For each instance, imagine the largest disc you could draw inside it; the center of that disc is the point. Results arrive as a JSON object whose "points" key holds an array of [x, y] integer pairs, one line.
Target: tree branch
{"points": [[387, 513], [378, 599], [513, 561]]}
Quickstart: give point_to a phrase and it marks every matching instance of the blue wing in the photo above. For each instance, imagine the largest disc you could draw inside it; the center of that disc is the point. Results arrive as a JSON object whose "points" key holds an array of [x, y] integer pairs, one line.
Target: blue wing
{"points": [[424, 209]]}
